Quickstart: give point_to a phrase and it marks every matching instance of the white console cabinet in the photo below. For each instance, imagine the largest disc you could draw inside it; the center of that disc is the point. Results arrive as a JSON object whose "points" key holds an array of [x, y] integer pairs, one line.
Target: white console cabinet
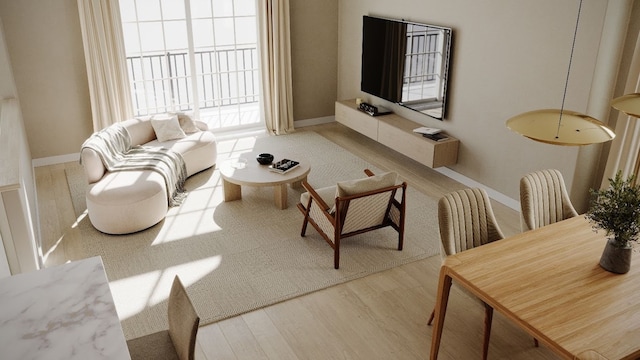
{"points": [[396, 132]]}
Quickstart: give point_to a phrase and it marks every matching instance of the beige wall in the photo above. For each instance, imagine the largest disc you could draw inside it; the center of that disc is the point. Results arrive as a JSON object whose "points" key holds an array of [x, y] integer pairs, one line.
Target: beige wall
{"points": [[314, 54], [45, 47], [509, 56], [7, 84]]}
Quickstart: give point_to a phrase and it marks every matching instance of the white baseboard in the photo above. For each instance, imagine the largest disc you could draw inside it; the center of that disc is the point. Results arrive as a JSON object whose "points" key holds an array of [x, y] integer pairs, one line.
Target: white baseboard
{"points": [[495, 195], [53, 160], [314, 121]]}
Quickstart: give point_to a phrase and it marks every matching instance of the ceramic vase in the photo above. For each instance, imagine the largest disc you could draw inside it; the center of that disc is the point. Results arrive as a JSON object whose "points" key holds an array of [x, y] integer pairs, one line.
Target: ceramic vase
{"points": [[616, 259]]}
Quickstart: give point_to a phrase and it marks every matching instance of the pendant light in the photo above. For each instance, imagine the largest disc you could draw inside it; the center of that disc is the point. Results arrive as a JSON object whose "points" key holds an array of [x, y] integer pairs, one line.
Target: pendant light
{"points": [[561, 127], [628, 104]]}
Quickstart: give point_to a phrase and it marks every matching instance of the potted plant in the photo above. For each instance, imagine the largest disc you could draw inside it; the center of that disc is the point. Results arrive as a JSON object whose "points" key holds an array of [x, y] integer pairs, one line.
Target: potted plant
{"points": [[616, 210]]}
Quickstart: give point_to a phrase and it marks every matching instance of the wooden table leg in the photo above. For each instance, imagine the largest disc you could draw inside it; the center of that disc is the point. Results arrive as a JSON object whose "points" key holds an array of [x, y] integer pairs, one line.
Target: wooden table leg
{"points": [[231, 191], [444, 286], [280, 195], [298, 184]]}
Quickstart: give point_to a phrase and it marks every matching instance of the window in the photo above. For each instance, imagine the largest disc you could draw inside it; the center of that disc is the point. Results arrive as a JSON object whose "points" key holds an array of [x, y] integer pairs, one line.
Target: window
{"points": [[423, 63], [194, 56]]}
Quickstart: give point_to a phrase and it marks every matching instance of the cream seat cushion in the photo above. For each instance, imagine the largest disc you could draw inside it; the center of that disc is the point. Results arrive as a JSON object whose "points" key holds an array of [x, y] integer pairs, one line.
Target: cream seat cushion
{"points": [[328, 194], [196, 150], [127, 201]]}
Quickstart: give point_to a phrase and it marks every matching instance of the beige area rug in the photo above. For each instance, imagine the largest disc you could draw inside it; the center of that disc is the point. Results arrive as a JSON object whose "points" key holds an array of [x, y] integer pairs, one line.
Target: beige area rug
{"points": [[238, 256]]}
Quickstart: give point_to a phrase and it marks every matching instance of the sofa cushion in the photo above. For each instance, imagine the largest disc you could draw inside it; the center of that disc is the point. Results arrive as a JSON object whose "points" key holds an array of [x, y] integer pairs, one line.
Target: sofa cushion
{"points": [[328, 194], [167, 127], [198, 150], [127, 201]]}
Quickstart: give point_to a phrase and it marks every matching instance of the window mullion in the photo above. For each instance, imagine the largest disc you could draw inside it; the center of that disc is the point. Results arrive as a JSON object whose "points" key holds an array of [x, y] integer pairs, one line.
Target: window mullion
{"points": [[192, 60], [145, 75]]}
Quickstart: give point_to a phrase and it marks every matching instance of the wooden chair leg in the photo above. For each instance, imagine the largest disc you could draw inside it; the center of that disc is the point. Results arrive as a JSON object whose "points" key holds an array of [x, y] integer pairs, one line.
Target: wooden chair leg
{"points": [[488, 318], [304, 226], [306, 219], [433, 315], [535, 342]]}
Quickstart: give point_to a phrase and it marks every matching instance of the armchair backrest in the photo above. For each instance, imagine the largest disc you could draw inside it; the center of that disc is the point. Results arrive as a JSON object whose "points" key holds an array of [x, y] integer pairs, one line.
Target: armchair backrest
{"points": [[365, 210]]}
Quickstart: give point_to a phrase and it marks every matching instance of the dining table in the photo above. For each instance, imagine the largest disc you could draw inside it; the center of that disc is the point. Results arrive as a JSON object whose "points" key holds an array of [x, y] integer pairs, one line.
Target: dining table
{"points": [[548, 282], [61, 312]]}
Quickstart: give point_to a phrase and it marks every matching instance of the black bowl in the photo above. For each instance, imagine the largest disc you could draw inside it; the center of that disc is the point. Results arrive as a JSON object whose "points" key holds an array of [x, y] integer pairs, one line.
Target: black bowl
{"points": [[264, 158]]}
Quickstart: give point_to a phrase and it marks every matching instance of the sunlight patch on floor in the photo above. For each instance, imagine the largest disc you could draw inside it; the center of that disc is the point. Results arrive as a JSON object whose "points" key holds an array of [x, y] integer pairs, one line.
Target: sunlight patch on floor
{"points": [[146, 285]]}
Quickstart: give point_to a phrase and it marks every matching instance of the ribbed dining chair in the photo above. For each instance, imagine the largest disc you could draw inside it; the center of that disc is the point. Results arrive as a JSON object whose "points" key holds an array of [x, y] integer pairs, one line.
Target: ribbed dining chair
{"points": [[544, 199], [179, 341], [466, 220]]}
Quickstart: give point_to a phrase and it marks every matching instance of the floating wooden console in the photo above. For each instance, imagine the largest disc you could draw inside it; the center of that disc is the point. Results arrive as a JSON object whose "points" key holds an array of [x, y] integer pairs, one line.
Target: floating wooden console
{"points": [[396, 132]]}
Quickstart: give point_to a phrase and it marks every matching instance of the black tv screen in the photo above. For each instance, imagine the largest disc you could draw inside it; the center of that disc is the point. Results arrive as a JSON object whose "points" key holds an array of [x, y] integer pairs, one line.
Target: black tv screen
{"points": [[383, 50], [406, 63]]}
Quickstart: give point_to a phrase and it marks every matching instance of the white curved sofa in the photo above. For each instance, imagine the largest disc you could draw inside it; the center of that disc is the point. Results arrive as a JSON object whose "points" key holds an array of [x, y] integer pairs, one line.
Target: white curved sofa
{"points": [[123, 202]]}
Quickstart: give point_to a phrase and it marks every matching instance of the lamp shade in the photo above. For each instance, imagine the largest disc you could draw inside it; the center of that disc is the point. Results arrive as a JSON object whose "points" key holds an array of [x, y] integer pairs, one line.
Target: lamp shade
{"points": [[573, 128], [628, 104]]}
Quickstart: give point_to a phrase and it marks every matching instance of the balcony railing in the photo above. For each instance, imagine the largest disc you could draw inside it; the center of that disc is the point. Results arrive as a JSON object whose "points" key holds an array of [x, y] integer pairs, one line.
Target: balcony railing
{"points": [[163, 82]]}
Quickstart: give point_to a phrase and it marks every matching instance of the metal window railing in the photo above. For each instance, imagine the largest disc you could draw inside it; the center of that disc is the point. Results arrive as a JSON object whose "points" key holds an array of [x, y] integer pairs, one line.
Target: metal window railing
{"points": [[422, 50], [163, 82]]}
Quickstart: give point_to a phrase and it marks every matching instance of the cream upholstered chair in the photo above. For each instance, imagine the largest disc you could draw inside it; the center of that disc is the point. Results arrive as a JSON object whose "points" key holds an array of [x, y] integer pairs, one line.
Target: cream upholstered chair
{"points": [[354, 207], [466, 221], [544, 199], [179, 341]]}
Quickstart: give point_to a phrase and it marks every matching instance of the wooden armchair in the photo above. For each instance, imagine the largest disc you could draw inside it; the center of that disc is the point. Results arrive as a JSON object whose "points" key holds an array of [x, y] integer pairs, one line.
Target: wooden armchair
{"points": [[354, 207]]}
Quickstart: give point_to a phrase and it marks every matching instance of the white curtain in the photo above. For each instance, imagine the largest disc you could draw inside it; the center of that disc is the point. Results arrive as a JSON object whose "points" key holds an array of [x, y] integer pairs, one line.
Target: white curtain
{"points": [[106, 64], [275, 63], [625, 149]]}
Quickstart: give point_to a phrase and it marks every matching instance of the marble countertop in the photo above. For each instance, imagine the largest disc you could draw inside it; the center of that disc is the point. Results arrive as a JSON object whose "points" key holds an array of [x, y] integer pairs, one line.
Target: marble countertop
{"points": [[61, 312]]}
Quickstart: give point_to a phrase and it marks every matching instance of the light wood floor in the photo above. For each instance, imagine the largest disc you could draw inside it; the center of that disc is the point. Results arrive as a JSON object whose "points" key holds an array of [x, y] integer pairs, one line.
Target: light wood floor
{"points": [[382, 316]]}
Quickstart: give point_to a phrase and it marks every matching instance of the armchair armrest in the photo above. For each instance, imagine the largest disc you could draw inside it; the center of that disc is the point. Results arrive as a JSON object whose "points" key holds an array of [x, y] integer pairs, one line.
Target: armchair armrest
{"points": [[313, 196]]}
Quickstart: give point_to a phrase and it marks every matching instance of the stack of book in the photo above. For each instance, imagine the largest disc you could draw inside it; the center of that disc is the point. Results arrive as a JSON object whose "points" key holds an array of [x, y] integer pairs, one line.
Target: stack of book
{"points": [[436, 137], [284, 166]]}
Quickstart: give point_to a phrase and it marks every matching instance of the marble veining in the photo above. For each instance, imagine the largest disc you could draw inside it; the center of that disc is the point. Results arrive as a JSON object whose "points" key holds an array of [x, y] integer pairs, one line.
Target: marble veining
{"points": [[62, 312]]}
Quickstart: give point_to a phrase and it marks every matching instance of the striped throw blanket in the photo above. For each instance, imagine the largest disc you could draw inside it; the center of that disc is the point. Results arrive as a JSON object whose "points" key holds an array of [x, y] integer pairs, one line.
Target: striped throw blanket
{"points": [[113, 144]]}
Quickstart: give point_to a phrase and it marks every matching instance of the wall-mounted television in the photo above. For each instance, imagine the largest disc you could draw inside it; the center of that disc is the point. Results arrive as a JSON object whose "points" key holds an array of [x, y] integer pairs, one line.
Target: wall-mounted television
{"points": [[406, 63]]}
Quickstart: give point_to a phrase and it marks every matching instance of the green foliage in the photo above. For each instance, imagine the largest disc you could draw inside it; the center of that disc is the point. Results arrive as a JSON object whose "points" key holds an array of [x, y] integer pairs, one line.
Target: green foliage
{"points": [[617, 210]]}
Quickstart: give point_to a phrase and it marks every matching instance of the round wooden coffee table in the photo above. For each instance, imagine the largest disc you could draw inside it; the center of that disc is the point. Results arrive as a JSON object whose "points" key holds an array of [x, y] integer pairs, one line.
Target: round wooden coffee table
{"points": [[235, 175]]}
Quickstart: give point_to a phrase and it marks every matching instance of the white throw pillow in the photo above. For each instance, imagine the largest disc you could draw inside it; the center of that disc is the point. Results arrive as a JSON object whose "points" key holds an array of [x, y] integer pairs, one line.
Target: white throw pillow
{"points": [[167, 127], [187, 124]]}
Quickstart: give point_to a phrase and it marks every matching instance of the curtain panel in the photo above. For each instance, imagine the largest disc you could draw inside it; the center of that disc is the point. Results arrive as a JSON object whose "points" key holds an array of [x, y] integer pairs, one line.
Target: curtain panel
{"points": [[106, 62], [275, 63], [625, 150]]}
